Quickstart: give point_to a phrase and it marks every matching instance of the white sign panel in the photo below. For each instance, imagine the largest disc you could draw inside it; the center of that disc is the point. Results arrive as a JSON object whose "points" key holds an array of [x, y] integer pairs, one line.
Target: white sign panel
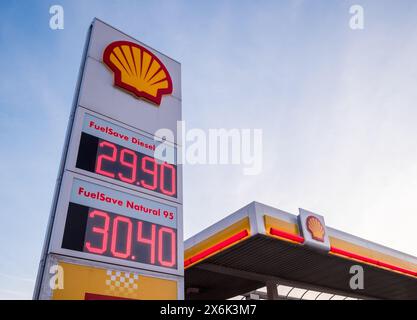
{"points": [[119, 154], [99, 94], [103, 222]]}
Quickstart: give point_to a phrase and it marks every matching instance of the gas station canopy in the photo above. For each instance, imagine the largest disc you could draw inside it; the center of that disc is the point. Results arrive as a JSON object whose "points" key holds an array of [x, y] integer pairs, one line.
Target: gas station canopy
{"points": [[261, 246]]}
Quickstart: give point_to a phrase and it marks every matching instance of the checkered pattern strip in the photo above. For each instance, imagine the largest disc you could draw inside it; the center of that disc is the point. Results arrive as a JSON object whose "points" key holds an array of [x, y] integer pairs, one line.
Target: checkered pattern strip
{"points": [[118, 282]]}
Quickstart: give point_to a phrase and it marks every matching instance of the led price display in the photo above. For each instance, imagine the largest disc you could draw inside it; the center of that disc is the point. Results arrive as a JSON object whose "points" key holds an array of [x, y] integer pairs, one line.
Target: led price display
{"points": [[114, 161], [107, 234]]}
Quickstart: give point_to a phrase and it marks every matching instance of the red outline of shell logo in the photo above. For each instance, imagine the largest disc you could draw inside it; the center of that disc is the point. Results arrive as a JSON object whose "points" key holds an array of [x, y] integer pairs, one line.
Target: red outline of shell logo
{"points": [[316, 228], [138, 71]]}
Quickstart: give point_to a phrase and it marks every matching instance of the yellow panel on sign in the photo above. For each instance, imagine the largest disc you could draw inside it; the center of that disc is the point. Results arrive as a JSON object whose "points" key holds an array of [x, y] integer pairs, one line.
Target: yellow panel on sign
{"points": [[91, 283]]}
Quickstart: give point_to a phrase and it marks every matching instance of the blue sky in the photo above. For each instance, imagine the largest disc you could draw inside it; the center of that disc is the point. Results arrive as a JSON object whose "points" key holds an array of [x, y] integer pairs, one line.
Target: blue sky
{"points": [[337, 108]]}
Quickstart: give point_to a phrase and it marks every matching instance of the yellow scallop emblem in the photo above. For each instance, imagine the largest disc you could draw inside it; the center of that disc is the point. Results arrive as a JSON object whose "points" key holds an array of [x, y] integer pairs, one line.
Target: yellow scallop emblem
{"points": [[138, 71], [315, 227]]}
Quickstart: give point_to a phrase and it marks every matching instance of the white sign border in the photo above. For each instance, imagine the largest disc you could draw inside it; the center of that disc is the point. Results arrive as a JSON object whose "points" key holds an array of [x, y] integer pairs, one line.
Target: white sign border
{"points": [[55, 245], [74, 144]]}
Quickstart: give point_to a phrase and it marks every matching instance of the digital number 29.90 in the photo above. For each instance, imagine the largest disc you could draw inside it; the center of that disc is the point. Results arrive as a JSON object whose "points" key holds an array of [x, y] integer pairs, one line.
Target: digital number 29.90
{"points": [[130, 160]]}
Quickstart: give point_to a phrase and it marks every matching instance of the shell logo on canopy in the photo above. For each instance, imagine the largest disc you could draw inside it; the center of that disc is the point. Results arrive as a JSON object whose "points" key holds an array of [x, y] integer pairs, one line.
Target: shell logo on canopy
{"points": [[315, 227], [138, 71]]}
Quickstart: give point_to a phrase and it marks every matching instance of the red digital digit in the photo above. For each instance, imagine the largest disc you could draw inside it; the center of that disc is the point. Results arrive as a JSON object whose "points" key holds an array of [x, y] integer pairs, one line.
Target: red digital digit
{"points": [[114, 237], [161, 260], [149, 241], [132, 165], [153, 172], [166, 166], [101, 157], [103, 231]]}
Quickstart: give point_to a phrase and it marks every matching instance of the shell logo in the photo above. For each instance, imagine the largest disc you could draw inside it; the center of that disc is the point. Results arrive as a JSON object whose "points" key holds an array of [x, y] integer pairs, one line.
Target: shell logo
{"points": [[138, 71], [316, 228]]}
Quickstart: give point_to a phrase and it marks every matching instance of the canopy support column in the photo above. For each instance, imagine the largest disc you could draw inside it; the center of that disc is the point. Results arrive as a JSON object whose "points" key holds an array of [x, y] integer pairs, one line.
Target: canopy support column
{"points": [[272, 290]]}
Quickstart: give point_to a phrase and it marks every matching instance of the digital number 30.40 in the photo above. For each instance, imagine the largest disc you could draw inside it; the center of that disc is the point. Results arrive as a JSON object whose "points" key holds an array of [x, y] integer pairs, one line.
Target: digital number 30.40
{"points": [[106, 229]]}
